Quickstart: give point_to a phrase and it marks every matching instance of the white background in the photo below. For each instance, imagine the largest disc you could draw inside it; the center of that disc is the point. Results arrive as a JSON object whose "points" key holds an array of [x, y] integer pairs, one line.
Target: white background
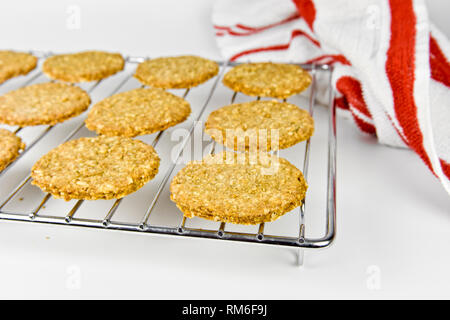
{"points": [[393, 215]]}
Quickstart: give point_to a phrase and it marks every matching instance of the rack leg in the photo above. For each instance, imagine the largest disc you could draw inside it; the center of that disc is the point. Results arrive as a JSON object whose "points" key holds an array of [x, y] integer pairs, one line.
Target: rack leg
{"points": [[300, 257]]}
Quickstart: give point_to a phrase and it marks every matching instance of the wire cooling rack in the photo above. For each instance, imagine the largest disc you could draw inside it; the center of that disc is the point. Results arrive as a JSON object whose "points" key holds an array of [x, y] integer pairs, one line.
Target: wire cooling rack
{"points": [[149, 210]]}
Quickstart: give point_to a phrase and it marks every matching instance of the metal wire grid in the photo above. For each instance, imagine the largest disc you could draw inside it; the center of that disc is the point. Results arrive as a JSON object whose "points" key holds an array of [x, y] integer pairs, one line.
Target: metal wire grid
{"points": [[301, 241]]}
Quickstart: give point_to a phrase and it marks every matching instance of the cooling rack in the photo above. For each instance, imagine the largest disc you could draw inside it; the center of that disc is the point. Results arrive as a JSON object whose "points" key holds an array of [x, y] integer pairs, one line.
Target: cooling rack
{"points": [[149, 210]]}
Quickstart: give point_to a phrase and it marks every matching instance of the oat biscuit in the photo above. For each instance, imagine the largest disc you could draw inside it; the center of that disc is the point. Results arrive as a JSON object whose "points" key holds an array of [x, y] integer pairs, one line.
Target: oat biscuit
{"points": [[96, 168], [224, 187], [259, 125], [267, 79], [10, 146], [176, 72], [42, 103], [137, 112], [83, 66], [13, 64]]}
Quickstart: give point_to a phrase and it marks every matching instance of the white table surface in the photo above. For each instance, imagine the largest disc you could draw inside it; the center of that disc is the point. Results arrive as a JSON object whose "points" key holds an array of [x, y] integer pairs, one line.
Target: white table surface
{"points": [[393, 215]]}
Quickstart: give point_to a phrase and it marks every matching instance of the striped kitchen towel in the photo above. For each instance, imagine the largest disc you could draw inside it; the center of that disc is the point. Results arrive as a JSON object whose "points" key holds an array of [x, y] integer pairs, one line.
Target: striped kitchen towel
{"points": [[391, 65]]}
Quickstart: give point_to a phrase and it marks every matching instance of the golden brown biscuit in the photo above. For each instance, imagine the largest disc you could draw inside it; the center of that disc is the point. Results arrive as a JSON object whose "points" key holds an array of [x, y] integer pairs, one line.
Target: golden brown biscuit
{"points": [[96, 168], [176, 72], [225, 187], [13, 64], [83, 66], [42, 103], [137, 112], [267, 79], [10, 146], [259, 125]]}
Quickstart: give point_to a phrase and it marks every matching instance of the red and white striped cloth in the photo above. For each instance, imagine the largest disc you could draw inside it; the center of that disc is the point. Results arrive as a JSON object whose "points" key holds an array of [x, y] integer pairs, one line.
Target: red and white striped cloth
{"points": [[392, 70]]}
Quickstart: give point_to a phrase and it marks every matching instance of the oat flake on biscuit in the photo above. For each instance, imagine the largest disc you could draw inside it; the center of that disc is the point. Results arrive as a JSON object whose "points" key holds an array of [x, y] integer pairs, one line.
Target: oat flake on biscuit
{"points": [[83, 66], [96, 168], [137, 112], [250, 125], [267, 79], [43, 103], [13, 64], [224, 187], [10, 146], [176, 72]]}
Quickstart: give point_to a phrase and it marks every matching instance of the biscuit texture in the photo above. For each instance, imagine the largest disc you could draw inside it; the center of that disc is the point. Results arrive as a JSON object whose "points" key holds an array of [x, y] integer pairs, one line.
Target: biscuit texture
{"points": [[83, 66], [176, 72], [10, 146], [42, 103], [238, 188], [96, 168], [267, 79], [137, 112], [13, 64], [259, 125]]}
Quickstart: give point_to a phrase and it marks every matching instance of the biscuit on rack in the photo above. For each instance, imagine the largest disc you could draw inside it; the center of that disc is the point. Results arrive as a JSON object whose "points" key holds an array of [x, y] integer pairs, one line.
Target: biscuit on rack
{"points": [[179, 72], [83, 66], [137, 112], [96, 168], [259, 125], [267, 79], [10, 146], [238, 188], [13, 64], [43, 103]]}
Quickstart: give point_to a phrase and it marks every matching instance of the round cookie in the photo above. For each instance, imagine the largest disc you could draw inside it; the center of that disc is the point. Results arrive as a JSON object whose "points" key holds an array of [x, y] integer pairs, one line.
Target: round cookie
{"points": [[13, 64], [176, 72], [259, 125], [83, 66], [137, 112], [96, 168], [10, 145], [237, 188], [267, 79], [42, 103]]}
